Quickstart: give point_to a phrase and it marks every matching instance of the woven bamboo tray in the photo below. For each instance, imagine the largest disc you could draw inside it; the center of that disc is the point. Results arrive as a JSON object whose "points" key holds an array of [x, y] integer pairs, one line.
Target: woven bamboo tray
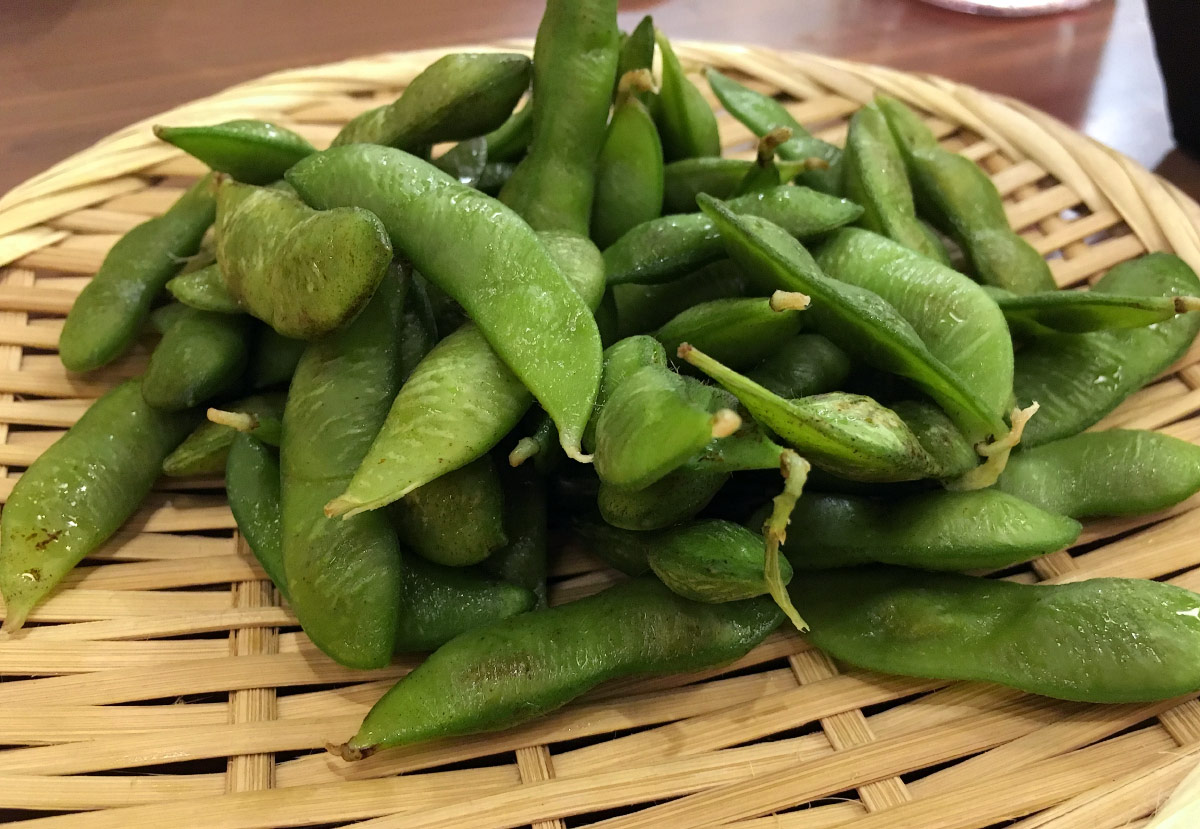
{"points": [[164, 682]]}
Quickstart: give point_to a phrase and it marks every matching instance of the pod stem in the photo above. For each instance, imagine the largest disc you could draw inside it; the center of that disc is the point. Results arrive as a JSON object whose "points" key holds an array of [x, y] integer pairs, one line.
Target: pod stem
{"points": [[795, 474], [525, 449], [238, 421], [1184, 304], [635, 80], [815, 163], [790, 301], [725, 422], [995, 454], [349, 753], [770, 142]]}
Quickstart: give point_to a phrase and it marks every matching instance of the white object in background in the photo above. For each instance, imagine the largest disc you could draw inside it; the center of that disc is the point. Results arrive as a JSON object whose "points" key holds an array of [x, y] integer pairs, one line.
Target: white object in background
{"points": [[1012, 8], [1182, 809]]}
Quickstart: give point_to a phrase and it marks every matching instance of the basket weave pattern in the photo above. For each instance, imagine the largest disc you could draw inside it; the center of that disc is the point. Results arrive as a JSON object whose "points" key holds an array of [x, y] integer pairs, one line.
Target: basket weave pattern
{"points": [[175, 610]]}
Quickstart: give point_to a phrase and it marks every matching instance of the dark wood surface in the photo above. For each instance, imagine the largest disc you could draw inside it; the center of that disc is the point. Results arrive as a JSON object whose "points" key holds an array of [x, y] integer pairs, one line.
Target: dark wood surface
{"points": [[72, 71]]}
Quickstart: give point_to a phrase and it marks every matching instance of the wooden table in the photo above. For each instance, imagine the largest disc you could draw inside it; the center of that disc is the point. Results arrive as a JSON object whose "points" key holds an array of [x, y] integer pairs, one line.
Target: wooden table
{"points": [[72, 71]]}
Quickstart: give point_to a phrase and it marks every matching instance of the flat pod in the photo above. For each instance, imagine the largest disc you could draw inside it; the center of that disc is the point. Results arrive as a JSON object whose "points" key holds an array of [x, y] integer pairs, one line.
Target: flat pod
{"points": [[1079, 378], [1115, 472], [343, 576], [806, 364], [1102, 640], [110, 311], [622, 360], [203, 452], [80, 491], [201, 356], [629, 173], [712, 561], [739, 332], [302, 271], [252, 484], [956, 319], [483, 255], [472, 684], [457, 519], [1080, 312], [458, 96], [256, 152], [685, 120], [671, 247], [205, 290], [953, 531], [856, 319]]}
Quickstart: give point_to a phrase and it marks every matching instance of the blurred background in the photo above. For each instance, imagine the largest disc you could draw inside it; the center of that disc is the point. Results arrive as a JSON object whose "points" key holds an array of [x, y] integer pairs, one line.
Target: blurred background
{"points": [[72, 71]]}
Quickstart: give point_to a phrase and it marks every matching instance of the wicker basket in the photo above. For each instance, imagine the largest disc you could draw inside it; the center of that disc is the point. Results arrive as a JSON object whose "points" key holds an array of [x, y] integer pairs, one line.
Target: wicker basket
{"points": [[175, 610]]}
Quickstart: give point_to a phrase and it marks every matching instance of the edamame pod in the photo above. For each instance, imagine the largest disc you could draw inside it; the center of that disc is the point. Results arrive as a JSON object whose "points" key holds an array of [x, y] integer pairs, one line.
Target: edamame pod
{"points": [[642, 308], [109, 312], [712, 561], [1079, 378], [961, 201], [721, 178], [522, 561], [874, 176], [252, 485], [502, 275], [685, 120], [469, 685], [464, 161], [201, 355], [676, 497], [958, 322], [739, 332], [1102, 640], [622, 360], [343, 577], [80, 491], [256, 152], [574, 69], [273, 359], [764, 172], [762, 113], [953, 455], [1080, 312], [304, 272], [203, 452], [1116, 472], [637, 50], [805, 365], [204, 290], [624, 550], [629, 168], [458, 96], [929, 530], [457, 519], [674, 246]]}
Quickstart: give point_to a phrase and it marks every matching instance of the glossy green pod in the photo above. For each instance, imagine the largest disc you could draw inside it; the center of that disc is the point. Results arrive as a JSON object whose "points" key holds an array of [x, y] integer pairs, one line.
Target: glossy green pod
{"points": [[456, 97], [1116, 472], [256, 152], [252, 485], [201, 356], [712, 561], [640, 309], [343, 577], [952, 454], [1102, 640], [674, 246], [721, 178], [469, 685], [675, 498], [80, 491], [304, 272], [622, 360], [1080, 312], [739, 332], [1079, 378], [624, 550], [203, 452], [110, 311], [204, 290], [529, 314], [954, 531], [637, 50], [629, 169], [465, 161], [685, 120], [804, 365], [457, 519]]}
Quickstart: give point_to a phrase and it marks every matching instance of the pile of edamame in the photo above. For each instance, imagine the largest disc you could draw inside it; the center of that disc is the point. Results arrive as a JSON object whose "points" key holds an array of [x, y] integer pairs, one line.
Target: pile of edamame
{"points": [[579, 322]]}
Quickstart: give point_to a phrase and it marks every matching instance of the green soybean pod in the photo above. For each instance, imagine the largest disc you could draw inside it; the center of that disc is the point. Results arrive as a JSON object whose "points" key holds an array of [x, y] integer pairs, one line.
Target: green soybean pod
{"points": [[80, 491], [622, 360], [494, 175], [503, 276], [439, 603], [1115, 472], [962, 202], [1079, 378], [256, 152], [574, 69], [273, 358], [642, 308], [674, 498], [522, 561], [739, 332], [930, 530], [638, 627], [874, 176], [712, 561], [465, 161], [958, 322], [457, 519], [953, 455], [671, 247], [109, 312], [624, 550], [850, 435], [1101, 640], [637, 50], [203, 452], [580, 262], [343, 577], [761, 113], [252, 485], [304, 272], [508, 142], [719, 177], [204, 290], [685, 120], [855, 318], [804, 365], [1081, 312], [201, 355], [629, 167], [458, 96]]}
